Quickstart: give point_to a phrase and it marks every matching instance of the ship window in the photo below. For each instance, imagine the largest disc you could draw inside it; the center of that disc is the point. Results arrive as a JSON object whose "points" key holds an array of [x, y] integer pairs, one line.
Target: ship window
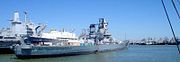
{"points": [[1, 37], [9, 37], [67, 38]]}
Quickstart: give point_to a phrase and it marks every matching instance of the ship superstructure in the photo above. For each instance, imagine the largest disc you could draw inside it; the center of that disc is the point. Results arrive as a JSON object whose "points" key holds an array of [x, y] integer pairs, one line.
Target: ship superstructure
{"points": [[99, 35], [54, 38], [11, 36]]}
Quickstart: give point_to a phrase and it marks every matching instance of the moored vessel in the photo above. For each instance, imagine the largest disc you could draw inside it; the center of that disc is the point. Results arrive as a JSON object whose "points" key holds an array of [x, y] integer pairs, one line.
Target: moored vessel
{"points": [[57, 43], [11, 36]]}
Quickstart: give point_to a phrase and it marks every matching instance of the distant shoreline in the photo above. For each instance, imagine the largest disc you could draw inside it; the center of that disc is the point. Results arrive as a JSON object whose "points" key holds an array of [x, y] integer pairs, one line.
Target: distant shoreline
{"points": [[154, 44]]}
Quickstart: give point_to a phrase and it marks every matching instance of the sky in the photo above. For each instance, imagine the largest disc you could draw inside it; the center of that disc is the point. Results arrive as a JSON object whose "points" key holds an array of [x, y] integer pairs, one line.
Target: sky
{"points": [[133, 19]]}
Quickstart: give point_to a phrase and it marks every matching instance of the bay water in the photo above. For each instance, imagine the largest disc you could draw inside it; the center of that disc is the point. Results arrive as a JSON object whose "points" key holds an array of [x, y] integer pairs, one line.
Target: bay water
{"points": [[134, 53]]}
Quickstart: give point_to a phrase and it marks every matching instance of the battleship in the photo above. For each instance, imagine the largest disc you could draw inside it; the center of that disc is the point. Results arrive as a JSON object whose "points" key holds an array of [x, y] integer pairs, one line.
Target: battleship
{"points": [[11, 36], [63, 43]]}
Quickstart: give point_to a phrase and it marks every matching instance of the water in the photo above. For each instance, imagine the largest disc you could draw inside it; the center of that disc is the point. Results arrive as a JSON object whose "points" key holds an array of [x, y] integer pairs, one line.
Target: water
{"points": [[147, 53]]}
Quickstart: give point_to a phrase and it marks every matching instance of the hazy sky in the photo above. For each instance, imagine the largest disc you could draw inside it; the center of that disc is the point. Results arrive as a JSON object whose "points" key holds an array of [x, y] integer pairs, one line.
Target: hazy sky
{"points": [[137, 18]]}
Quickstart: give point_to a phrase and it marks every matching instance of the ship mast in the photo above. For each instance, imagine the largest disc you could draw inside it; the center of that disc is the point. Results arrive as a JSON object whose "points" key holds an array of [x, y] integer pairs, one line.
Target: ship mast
{"points": [[25, 16]]}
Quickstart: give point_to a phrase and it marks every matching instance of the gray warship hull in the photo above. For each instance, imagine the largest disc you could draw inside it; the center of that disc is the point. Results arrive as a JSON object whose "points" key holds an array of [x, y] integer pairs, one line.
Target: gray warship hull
{"points": [[28, 51]]}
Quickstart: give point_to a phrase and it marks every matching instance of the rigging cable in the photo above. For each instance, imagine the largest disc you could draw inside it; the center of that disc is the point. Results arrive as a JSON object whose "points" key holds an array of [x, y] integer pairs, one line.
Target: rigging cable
{"points": [[170, 25], [178, 1], [174, 5]]}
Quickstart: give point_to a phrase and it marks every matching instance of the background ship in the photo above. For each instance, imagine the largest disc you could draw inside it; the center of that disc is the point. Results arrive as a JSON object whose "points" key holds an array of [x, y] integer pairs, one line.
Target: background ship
{"points": [[57, 43], [11, 36]]}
